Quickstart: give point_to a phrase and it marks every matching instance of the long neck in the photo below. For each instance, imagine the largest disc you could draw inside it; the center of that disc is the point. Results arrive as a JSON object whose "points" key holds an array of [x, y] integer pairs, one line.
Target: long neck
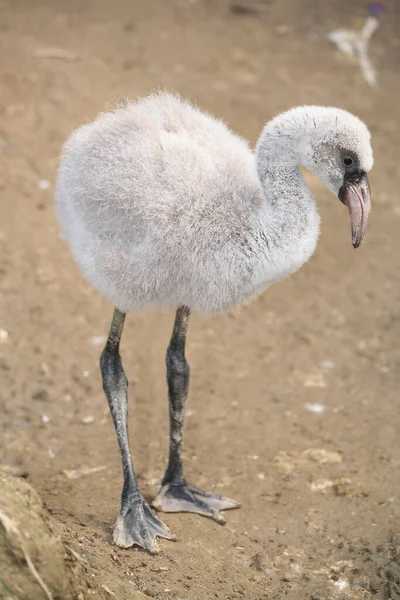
{"points": [[288, 216]]}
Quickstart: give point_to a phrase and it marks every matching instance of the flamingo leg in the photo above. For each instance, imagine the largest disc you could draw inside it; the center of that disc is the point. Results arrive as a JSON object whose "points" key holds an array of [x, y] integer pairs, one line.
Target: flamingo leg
{"points": [[176, 495], [136, 523]]}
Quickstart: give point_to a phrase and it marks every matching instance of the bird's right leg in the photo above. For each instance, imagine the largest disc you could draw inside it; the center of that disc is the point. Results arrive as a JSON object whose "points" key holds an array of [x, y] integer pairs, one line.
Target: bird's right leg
{"points": [[136, 523], [176, 495]]}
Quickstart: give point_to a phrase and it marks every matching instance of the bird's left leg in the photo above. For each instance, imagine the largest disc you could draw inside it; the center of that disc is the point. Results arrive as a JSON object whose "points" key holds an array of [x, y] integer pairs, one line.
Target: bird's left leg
{"points": [[136, 523], [176, 495]]}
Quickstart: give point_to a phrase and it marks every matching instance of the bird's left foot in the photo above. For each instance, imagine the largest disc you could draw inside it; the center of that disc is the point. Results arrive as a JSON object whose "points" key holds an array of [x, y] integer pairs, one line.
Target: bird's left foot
{"points": [[186, 498]]}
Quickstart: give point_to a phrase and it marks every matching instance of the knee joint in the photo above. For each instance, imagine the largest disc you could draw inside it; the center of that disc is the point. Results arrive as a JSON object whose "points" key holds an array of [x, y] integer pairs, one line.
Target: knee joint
{"points": [[177, 363], [111, 364], [108, 356]]}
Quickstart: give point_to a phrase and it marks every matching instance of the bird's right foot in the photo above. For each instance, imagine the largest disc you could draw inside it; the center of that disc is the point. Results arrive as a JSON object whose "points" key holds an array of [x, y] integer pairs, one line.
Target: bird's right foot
{"points": [[183, 497], [137, 524]]}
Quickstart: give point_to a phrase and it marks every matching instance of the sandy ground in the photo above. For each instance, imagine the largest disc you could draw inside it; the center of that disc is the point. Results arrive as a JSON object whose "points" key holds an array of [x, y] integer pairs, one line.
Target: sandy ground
{"points": [[320, 490]]}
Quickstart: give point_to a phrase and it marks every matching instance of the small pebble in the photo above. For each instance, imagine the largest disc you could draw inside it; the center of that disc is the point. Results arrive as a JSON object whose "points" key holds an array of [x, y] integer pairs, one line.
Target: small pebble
{"points": [[87, 420], [315, 380], [342, 584], [97, 340], [55, 53], [321, 485], [315, 407], [43, 184], [77, 473], [45, 369], [258, 562], [86, 373], [327, 365], [3, 336], [45, 418], [261, 476]]}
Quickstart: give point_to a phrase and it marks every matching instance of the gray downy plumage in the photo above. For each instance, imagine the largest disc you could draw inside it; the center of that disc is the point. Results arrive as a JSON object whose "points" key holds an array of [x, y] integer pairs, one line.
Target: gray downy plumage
{"points": [[164, 206]]}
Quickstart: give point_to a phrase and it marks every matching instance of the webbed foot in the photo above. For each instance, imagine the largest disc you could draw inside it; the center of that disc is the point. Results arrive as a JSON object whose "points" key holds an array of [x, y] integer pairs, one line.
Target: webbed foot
{"points": [[186, 498], [137, 524]]}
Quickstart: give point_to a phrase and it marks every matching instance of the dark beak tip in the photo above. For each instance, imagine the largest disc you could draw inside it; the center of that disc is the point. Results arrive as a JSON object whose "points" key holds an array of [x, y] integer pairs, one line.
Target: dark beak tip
{"points": [[355, 194]]}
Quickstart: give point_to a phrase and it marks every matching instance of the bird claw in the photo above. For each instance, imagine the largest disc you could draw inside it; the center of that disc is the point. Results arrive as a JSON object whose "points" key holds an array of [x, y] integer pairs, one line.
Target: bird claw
{"points": [[187, 498], [138, 525]]}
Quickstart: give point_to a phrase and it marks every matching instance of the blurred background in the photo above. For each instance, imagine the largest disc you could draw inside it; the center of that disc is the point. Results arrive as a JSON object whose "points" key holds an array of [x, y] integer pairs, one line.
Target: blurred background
{"points": [[294, 401]]}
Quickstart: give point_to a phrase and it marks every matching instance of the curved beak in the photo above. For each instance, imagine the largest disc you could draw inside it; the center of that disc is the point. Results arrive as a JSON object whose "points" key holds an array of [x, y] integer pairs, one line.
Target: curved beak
{"points": [[355, 193]]}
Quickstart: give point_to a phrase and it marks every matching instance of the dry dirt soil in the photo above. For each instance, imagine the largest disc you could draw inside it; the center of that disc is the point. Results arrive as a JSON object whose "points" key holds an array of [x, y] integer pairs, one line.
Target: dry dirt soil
{"points": [[294, 402]]}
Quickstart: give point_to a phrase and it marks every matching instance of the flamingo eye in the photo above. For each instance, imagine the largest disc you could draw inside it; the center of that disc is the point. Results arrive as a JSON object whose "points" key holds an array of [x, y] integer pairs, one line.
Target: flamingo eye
{"points": [[347, 161]]}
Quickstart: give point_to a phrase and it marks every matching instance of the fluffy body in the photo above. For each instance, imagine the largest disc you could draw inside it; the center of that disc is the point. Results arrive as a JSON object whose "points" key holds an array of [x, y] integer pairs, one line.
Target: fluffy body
{"points": [[163, 206]]}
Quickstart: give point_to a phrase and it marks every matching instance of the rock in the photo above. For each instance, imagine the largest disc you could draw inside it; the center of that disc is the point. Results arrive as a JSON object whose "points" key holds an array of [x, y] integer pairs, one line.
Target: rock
{"points": [[258, 562], [35, 565]]}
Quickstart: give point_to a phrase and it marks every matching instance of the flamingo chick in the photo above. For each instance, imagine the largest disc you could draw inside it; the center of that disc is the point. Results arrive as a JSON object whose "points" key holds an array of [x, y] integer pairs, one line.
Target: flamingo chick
{"points": [[163, 206]]}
